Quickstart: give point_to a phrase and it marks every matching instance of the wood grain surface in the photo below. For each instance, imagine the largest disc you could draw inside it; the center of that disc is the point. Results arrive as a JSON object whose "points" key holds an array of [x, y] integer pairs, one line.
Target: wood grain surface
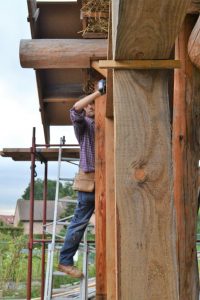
{"points": [[61, 53], [111, 213], [100, 198], [146, 29], [144, 190], [186, 124], [147, 257]]}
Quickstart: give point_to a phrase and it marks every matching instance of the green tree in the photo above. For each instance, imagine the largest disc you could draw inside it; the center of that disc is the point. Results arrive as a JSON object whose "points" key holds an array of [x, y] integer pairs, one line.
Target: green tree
{"points": [[64, 190]]}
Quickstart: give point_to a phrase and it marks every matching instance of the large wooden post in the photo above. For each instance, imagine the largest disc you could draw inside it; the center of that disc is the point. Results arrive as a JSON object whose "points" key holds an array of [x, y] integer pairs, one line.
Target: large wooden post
{"points": [[146, 249], [186, 118]]}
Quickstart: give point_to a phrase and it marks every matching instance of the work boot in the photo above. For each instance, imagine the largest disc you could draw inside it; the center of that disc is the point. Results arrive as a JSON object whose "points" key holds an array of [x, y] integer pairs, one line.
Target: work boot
{"points": [[71, 271]]}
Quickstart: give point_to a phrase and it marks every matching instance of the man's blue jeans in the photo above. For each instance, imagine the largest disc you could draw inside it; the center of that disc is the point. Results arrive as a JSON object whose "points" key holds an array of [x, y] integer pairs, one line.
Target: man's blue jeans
{"points": [[79, 222]]}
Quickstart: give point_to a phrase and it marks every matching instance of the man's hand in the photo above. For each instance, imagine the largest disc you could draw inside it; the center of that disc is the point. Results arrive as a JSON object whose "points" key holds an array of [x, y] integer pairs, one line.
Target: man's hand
{"points": [[102, 86]]}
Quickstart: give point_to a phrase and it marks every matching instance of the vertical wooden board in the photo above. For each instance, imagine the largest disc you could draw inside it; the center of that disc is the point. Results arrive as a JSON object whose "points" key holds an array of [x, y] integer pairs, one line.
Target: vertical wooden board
{"points": [[111, 214], [186, 120], [100, 198], [147, 259], [109, 83], [146, 29]]}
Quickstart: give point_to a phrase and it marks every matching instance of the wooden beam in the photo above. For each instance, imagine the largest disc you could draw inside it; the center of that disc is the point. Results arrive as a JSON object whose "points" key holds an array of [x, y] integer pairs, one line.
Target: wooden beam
{"points": [[186, 123], [100, 199], [45, 121], [143, 162], [95, 65], [111, 213], [61, 53], [139, 64], [111, 209], [144, 187], [60, 100], [149, 34]]}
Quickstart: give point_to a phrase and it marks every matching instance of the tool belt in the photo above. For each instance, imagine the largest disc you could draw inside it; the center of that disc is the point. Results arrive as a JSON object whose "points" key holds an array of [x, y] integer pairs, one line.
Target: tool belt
{"points": [[84, 182]]}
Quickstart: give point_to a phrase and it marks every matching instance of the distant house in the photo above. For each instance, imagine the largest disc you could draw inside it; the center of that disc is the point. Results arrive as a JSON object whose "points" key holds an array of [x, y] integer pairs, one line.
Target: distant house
{"points": [[7, 219], [22, 215]]}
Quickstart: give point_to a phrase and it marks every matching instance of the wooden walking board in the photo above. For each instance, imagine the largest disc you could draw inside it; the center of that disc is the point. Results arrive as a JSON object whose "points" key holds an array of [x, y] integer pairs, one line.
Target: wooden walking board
{"points": [[43, 154]]}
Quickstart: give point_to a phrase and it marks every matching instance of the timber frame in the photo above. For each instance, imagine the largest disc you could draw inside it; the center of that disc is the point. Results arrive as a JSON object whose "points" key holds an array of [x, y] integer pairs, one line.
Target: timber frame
{"points": [[61, 58], [147, 136]]}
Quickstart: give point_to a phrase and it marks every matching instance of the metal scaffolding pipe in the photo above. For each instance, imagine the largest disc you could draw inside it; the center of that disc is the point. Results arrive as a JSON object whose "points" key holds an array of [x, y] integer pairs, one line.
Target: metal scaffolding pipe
{"points": [[31, 214], [43, 234]]}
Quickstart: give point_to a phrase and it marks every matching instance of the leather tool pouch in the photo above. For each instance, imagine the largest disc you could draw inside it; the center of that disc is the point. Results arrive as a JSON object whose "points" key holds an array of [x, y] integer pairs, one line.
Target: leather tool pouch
{"points": [[84, 182]]}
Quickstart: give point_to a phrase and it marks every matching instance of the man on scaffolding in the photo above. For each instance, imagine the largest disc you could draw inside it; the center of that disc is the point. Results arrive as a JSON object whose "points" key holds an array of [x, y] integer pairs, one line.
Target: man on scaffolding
{"points": [[82, 117]]}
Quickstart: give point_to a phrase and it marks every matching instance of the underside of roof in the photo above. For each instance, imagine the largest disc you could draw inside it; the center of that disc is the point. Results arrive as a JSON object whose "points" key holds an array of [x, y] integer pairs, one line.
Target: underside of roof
{"points": [[58, 88]]}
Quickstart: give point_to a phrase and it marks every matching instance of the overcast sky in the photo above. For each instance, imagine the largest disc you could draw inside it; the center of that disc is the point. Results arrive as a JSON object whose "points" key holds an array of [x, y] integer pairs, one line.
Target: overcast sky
{"points": [[19, 108]]}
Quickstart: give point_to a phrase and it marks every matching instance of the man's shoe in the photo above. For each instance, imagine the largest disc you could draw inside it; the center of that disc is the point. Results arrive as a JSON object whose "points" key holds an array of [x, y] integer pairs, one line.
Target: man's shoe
{"points": [[71, 271]]}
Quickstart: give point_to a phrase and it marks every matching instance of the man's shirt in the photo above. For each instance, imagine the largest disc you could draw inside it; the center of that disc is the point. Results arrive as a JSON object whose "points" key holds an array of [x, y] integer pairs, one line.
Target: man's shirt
{"points": [[84, 128]]}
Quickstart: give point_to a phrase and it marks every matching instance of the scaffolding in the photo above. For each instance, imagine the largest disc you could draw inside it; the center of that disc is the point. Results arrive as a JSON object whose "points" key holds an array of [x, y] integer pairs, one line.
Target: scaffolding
{"points": [[55, 239]]}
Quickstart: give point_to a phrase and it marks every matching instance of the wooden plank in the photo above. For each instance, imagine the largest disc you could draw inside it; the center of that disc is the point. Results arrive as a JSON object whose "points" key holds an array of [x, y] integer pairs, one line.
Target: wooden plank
{"points": [[111, 213], [95, 65], [100, 198], [111, 209], [60, 53], [153, 33], [186, 121], [146, 249], [50, 154], [194, 45], [139, 64]]}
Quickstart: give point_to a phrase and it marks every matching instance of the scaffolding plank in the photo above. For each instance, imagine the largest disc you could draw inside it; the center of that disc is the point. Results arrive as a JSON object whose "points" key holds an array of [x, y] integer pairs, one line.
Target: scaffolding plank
{"points": [[24, 154]]}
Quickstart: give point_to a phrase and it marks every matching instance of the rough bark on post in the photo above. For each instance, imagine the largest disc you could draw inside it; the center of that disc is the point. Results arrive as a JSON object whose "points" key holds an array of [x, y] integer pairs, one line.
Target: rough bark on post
{"points": [[147, 261], [186, 123]]}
